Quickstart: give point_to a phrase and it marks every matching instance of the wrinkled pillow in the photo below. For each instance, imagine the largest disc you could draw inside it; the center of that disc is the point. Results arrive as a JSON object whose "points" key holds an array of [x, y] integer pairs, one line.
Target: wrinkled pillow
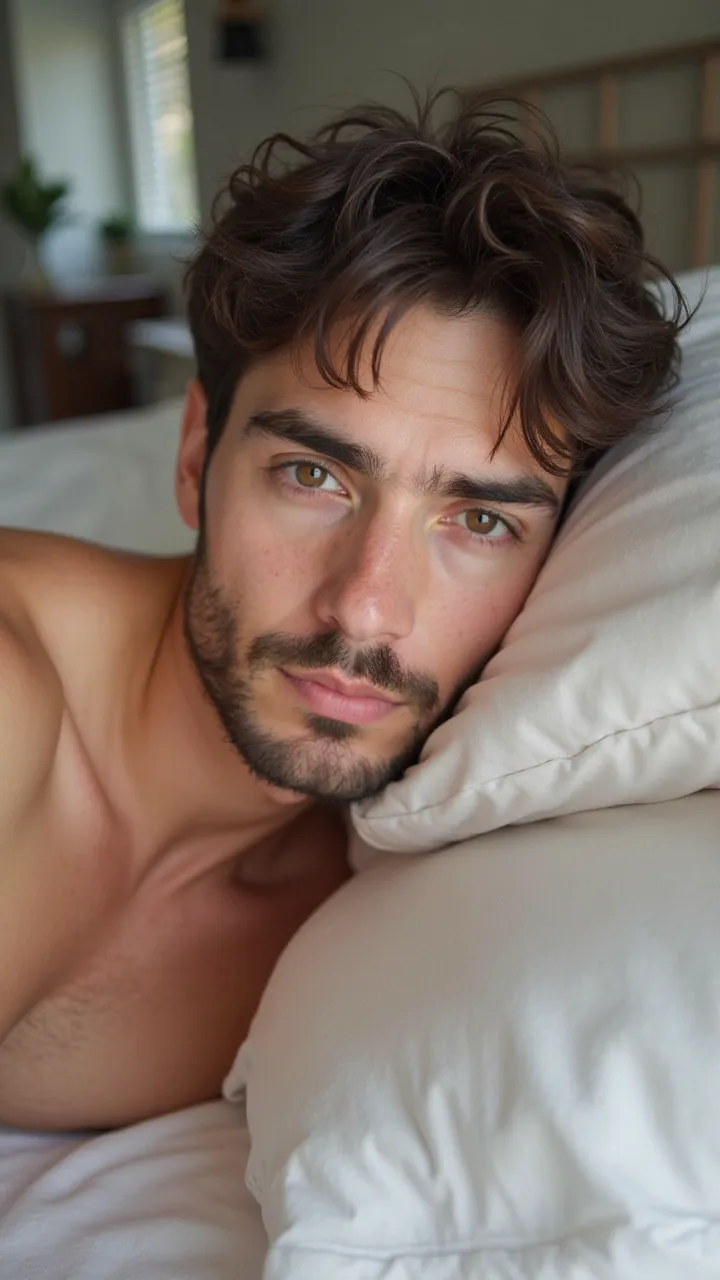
{"points": [[500, 1062], [606, 690]]}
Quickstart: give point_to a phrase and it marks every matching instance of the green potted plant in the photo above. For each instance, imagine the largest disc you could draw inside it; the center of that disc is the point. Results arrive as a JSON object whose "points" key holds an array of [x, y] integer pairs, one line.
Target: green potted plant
{"points": [[117, 232], [34, 206]]}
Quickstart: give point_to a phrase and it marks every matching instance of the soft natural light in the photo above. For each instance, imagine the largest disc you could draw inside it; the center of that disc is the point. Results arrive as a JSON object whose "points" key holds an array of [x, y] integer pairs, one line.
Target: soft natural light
{"points": [[160, 115]]}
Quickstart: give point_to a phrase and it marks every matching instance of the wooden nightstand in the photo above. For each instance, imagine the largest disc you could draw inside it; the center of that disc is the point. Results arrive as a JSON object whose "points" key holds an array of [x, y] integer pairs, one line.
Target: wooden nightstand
{"points": [[69, 348]]}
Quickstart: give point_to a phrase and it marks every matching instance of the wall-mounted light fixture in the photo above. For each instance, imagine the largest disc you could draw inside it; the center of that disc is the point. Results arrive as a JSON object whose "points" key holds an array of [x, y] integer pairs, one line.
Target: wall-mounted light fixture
{"points": [[241, 31]]}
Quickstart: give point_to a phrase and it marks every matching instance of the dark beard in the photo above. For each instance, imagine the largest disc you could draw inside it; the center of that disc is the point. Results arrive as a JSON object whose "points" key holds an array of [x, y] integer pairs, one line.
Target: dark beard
{"points": [[321, 763]]}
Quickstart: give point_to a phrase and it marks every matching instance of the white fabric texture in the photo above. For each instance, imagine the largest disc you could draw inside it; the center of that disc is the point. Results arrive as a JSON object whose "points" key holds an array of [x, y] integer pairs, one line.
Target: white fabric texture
{"points": [[504, 1061], [108, 480], [607, 688], [163, 1200]]}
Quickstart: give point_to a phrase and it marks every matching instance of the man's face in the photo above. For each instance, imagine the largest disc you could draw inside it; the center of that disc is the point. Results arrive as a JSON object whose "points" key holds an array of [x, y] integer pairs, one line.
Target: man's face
{"points": [[361, 558]]}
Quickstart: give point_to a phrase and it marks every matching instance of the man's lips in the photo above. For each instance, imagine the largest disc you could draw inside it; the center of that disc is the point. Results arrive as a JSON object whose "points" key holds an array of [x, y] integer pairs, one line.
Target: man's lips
{"points": [[354, 701]]}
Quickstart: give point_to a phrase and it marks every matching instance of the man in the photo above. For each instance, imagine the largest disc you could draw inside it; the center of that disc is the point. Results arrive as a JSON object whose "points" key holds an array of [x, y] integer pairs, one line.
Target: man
{"points": [[408, 339]]}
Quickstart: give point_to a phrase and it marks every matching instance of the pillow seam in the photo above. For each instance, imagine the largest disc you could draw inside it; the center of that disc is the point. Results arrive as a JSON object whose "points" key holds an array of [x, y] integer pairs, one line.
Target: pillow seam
{"points": [[476, 788]]}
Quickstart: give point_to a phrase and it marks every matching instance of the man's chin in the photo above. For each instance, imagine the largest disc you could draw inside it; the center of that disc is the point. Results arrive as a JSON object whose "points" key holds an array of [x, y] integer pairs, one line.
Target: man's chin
{"points": [[283, 795], [329, 772]]}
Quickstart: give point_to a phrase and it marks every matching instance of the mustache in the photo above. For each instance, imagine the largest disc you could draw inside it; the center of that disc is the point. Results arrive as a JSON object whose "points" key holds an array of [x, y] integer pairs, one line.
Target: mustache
{"points": [[379, 665]]}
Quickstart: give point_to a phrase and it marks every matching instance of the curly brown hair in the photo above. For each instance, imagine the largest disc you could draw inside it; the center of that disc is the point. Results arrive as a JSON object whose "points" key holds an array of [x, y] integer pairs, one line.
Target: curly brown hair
{"points": [[380, 211]]}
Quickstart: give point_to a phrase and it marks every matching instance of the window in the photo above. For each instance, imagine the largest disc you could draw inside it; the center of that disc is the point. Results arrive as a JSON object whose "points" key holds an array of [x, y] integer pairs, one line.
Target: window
{"points": [[159, 114]]}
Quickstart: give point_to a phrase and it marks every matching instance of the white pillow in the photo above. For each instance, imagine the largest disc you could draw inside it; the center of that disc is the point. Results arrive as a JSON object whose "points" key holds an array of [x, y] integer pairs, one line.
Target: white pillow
{"points": [[607, 688], [501, 1062]]}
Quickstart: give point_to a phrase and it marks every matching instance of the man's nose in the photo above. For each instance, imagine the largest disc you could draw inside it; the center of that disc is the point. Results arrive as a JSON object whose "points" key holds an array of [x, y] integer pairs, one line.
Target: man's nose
{"points": [[372, 584]]}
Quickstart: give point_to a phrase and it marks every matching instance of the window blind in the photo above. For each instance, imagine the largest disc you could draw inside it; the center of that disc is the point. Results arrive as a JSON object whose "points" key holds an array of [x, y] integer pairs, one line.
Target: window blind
{"points": [[159, 114]]}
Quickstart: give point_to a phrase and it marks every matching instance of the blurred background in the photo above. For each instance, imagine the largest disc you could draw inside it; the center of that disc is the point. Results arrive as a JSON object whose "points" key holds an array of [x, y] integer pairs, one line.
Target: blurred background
{"points": [[119, 119]]}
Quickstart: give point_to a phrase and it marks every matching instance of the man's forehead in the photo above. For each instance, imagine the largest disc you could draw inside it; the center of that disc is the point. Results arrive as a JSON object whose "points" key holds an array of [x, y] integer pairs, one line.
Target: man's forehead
{"points": [[439, 408], [425, 351], [438, 375]]}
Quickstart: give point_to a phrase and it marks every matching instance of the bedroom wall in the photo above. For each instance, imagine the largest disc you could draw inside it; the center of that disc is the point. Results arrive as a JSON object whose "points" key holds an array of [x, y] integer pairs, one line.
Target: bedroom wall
{"points": [[326, 54], [64, 53], [10, 246]]}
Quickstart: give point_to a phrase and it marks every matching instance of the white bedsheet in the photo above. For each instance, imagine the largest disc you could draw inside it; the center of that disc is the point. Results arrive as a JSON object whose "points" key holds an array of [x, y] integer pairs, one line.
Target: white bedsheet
{"points": [[108, 479], [163, 1200]]}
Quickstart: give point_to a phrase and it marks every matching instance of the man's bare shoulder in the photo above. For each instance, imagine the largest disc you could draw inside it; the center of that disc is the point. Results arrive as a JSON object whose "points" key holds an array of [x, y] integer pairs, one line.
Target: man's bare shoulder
{"points": [[62, 602], [33, 564], [59, 586]]}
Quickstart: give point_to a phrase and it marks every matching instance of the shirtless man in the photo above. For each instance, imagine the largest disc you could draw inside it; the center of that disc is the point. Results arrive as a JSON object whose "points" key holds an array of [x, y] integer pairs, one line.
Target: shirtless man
{"points": [[407, 338]]}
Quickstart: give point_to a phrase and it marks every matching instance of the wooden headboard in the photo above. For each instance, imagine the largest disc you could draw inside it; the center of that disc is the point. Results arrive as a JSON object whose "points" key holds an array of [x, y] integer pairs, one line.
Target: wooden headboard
{"points": [[656, 114]]}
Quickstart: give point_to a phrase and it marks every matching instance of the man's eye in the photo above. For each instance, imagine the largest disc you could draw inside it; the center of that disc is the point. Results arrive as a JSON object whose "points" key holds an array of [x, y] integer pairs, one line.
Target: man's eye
{"points": [[485, 523], [310, 475]]}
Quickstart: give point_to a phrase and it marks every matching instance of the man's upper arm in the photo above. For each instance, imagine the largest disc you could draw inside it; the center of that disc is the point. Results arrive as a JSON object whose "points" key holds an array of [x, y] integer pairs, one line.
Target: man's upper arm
{"points": [[30, 717]]}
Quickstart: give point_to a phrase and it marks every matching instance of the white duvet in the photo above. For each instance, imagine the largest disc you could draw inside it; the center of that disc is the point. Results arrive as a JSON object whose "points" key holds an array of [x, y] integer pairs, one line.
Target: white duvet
{"points": [[163, 1200]]}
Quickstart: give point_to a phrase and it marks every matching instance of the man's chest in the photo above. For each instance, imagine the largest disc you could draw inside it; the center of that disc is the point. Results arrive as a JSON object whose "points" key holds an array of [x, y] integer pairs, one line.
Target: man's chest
{"points": [[146, 1018], [150, 1016]]}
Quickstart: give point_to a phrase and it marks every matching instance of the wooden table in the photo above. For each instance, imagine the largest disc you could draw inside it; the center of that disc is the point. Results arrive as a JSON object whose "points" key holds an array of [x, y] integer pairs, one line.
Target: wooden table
{"points": [[70, 350]]}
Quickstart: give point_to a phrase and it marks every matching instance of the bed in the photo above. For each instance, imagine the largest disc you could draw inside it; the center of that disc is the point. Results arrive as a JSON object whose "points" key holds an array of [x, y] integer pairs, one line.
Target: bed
{"points": [[108, 479], [167, 1200], [163, 1200]]}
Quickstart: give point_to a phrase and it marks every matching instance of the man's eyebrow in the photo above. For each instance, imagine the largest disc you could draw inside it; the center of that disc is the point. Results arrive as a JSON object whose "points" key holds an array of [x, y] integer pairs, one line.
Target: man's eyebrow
{"points": [[299, 429], [295, 427], [524, 491]]}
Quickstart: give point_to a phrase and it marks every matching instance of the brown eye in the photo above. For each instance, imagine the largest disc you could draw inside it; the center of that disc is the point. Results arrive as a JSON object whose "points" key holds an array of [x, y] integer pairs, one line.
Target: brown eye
{"points": [[310, 475], [484, 523]]}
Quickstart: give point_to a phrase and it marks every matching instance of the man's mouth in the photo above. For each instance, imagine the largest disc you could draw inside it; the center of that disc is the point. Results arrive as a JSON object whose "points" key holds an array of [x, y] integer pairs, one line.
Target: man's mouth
{"points": [[352, 701]]}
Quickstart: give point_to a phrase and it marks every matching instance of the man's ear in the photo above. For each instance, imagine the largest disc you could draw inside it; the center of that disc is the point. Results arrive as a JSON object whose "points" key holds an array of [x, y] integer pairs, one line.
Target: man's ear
{"points": [[191, 455]]}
